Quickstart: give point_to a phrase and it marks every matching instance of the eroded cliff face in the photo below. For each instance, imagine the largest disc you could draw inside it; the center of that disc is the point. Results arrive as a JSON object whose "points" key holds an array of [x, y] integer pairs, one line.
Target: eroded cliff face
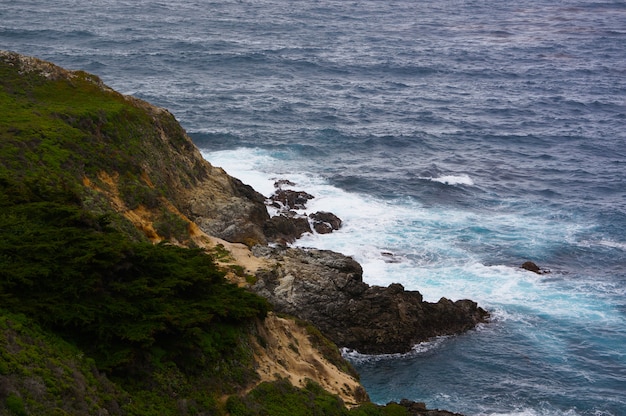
{"points": [[290, 350], [219, 204]]}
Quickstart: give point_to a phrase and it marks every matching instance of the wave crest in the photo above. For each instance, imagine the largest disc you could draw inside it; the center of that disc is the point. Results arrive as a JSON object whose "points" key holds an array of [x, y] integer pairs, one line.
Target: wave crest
{"points": [[463, 179]]}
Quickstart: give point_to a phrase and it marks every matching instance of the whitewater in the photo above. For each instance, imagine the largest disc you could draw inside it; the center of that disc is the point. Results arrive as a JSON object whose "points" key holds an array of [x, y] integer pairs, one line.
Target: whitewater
{"points": [[456, 140]]}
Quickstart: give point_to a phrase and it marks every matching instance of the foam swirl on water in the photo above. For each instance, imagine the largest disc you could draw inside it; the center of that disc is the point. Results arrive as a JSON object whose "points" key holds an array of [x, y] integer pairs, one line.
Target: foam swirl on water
{"points": [[453, 180]]}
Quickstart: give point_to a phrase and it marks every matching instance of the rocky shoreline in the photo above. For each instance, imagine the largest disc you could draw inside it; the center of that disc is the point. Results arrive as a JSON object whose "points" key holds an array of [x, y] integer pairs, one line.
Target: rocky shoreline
{"points": [[168, 193], [327, 289]]}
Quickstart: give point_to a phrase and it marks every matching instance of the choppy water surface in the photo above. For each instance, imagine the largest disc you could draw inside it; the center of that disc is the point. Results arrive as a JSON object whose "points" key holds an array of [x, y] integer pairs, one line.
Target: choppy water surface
{"points": [[463, 137]]}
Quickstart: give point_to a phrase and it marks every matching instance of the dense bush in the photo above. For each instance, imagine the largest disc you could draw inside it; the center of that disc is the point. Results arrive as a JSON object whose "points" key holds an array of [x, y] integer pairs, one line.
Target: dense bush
{"points": [[118, 298], [281, 398]]}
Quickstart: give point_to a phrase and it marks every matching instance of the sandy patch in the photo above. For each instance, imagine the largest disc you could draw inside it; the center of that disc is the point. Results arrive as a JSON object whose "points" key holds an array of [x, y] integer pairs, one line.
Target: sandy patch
{"points": [[284, 350]]}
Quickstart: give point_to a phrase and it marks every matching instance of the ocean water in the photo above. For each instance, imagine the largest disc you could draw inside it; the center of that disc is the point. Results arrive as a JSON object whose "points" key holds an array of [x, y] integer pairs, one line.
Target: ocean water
{"points": [[464, 138]]}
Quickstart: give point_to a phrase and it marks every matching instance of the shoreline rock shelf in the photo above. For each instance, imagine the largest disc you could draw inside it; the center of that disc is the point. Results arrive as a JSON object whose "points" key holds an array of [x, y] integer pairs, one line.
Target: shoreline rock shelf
{"points": [[327, 289]]}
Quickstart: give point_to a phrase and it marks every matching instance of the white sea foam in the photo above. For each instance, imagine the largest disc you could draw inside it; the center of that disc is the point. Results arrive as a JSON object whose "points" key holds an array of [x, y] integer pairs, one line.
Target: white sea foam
{"points": [[418, 349], [246, 165], [533, 412], [613, 244], [439, 251], [431, 249], [463, 179]]}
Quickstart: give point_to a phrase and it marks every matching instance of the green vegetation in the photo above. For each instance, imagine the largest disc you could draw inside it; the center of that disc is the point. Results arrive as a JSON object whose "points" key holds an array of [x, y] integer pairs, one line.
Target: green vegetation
{"points": [[58, 128], [148, 315], [280, 398], [55, 129], [72, 274], [87, 296], [171, 226], [41, 374]]}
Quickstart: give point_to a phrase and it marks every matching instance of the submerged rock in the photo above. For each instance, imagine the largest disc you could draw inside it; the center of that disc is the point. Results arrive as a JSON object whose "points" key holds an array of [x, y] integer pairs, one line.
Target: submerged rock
{"points": [[327, 289]]}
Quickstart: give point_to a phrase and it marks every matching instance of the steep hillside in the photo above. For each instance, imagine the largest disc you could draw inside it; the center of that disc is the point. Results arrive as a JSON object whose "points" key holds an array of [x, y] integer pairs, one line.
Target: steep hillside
{"points": [[113, 265], [67, 132]]}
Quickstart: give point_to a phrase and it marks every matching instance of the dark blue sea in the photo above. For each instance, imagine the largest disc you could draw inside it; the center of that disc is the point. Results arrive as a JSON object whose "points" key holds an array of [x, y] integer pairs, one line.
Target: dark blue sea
{"points": [[463, 137]]}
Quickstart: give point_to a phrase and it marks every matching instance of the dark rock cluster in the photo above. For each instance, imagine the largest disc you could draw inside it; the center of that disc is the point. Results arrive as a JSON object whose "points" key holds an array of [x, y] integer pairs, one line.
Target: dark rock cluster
{"points": [[288, 224], [327, 289], [325, 222], [287, 199]]}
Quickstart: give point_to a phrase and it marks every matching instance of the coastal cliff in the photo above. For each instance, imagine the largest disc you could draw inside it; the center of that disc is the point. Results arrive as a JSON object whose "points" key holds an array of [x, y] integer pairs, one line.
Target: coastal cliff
{"points": [[128, 284]]}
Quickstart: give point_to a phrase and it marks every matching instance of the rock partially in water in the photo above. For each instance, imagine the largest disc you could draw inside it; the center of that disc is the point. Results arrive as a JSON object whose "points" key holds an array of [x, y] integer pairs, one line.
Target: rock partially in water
{"points": [[325, 222], [327, 289], [290, 223], [289, 199], [286, 228]]}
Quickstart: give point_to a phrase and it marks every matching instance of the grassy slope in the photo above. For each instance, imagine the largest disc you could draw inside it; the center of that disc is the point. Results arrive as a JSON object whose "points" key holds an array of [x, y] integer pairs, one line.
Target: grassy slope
{"points": [[82, 294]]}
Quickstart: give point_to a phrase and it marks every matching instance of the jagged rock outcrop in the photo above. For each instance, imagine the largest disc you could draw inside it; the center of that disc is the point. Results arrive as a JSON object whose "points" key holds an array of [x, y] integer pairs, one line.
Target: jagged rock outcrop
{"points": [[326, 288], [224, 207], [288, 224], [325, 222], [289, 199]]}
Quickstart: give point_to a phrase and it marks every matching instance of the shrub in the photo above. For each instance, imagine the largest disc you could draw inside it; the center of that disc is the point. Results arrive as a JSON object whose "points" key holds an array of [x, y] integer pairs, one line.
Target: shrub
{"points": [[63, 267], [15, 405], [280, 398]]}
